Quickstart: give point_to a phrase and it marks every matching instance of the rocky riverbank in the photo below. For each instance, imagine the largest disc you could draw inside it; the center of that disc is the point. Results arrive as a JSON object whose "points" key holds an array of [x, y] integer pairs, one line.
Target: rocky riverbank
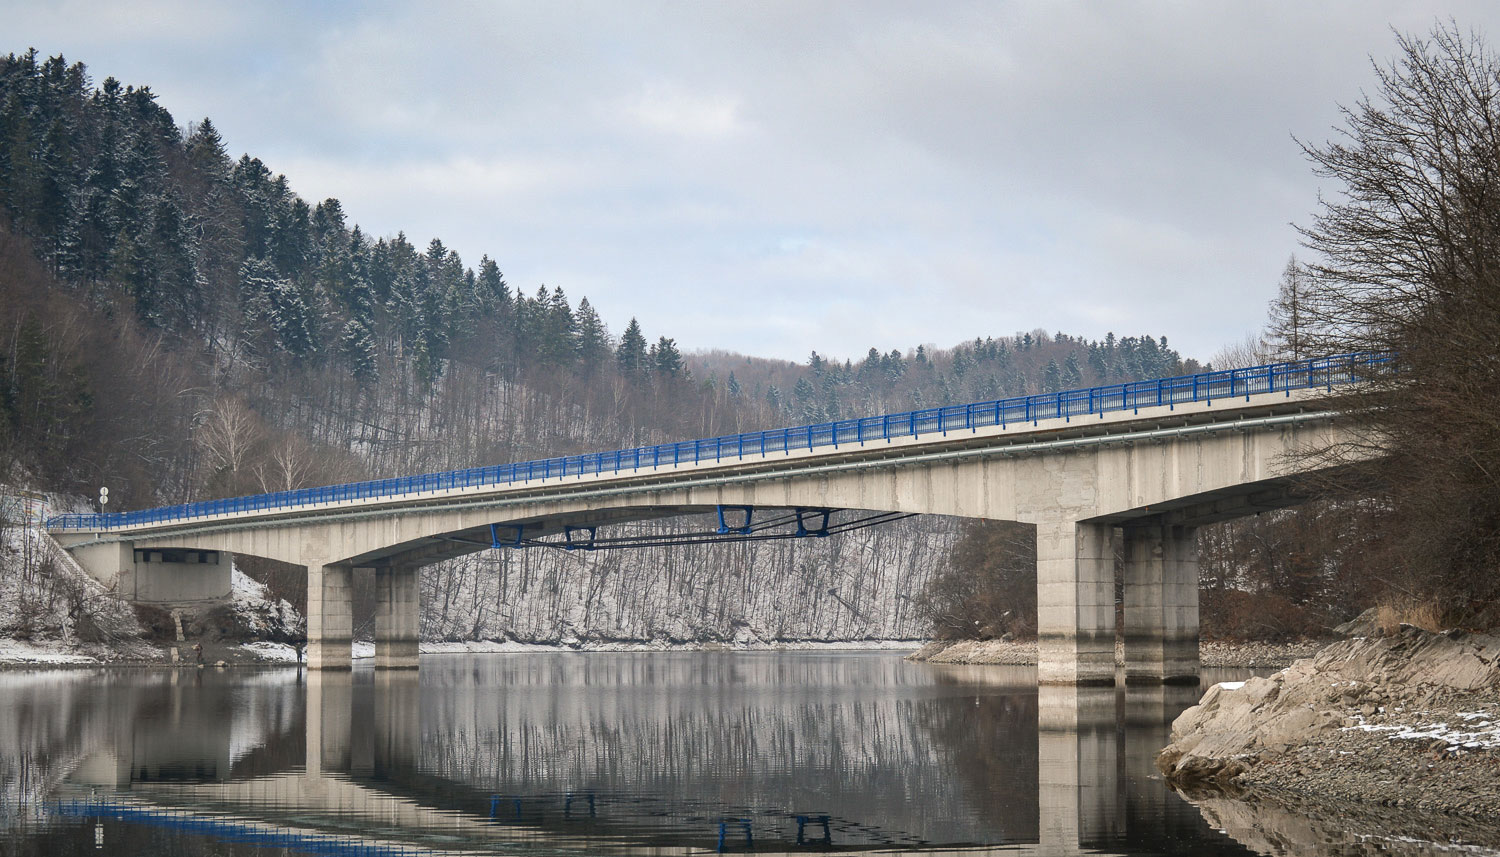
{"points": [[1210, 654], [1410, 720]]}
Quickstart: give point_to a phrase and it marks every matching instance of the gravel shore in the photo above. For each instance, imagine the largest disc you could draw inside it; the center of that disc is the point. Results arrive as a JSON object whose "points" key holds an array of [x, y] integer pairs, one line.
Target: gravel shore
{"points": [[1410, 721], [1429, 752], [1210, 654]]}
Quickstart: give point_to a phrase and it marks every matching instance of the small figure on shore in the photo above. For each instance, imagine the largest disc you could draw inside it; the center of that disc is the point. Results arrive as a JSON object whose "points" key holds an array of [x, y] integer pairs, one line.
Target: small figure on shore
{"points": [[198, 654], [299, 645]]}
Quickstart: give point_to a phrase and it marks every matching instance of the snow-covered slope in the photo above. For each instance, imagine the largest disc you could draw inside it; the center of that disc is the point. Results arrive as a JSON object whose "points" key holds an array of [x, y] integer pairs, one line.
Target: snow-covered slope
{"points": [[857, 586]]}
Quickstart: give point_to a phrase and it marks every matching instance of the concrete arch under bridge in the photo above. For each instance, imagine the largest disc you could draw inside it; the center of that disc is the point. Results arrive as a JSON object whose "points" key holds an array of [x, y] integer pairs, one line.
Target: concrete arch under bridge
{"points": [[1154, 472]]}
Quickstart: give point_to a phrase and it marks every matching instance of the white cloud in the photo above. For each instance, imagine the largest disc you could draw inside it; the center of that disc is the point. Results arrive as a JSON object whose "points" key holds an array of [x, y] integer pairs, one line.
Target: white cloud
{"points": [[670, 110]]}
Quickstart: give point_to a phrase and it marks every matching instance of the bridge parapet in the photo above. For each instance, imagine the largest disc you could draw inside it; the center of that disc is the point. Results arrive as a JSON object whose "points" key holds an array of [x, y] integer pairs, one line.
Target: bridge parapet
{"points": [[1021, 411]]}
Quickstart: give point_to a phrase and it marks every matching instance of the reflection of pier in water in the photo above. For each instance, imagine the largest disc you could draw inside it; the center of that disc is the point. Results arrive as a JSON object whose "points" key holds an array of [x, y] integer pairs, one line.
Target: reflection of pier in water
{"points": [[378, 764]]}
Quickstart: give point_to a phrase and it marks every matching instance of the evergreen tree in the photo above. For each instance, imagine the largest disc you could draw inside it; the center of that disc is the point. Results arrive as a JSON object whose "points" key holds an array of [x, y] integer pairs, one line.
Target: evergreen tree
{"points": [[559, 335], [291, 244], [491, 291], [666, 359], [631, 356], [805, 401], [252, 180], [832, 410], [894, 366], [774, 399], [274, 304], [1072, 375], [1051, 377], [593, 339], [207, 154], [357, 346], [169, 293]]}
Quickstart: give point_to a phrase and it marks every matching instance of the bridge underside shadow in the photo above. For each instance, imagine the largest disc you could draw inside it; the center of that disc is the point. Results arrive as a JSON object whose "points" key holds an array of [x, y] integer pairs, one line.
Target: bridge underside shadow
{"points": [[1153, 549]]}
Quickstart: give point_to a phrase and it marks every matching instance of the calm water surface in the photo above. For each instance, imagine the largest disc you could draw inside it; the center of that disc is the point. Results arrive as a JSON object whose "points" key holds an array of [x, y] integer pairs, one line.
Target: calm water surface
{"points": [[648, 754]]}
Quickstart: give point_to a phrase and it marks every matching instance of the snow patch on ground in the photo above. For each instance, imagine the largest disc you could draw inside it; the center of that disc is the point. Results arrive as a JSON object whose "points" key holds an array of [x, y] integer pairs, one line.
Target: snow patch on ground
{"points": [[1231, 685], [50, 610], [43, 652], [244, 587], [1477, 730], [281, 653], [257, 614]]}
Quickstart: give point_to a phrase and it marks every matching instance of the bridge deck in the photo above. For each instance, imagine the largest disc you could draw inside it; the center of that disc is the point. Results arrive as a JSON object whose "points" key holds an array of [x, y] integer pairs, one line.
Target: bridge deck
{"points": [[1112, 408]]}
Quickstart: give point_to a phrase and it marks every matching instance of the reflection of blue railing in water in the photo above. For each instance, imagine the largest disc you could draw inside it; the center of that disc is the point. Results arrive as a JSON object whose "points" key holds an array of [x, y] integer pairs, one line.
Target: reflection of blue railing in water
{"points": [[1325, 372], [225, 829]]}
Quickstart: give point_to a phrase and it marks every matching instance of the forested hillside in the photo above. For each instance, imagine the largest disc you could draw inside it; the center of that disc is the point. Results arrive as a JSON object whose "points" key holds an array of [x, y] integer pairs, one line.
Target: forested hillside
{"points": [[181, 325]]}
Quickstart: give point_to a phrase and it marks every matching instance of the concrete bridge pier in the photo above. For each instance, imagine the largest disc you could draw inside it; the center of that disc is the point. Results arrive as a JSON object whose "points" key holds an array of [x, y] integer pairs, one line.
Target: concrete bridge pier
{"points": [[398, 721], [1075, 586], [1161, 604], [1076, 603], [1078, 767], [330, 616], [397, 599], [328, 721]]}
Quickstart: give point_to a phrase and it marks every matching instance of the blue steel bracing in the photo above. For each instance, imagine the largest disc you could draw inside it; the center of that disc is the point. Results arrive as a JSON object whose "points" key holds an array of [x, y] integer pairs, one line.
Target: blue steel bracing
{"points": [[495, 536], [806, 515], [1323, 372], [569, 543], [743, 529]]}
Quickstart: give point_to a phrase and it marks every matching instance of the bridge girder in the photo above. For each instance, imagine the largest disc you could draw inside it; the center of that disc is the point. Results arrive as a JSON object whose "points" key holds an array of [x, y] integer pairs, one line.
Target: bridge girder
{"points": [[1190, 477]]}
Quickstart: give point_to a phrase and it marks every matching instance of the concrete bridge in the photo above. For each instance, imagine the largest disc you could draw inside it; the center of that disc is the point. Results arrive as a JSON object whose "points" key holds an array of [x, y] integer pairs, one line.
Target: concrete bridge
{"points": [[1146, 462]]}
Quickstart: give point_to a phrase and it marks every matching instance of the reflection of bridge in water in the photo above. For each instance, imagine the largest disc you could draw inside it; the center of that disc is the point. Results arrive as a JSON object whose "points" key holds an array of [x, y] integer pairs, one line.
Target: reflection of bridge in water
{"points": [[377, 763]]}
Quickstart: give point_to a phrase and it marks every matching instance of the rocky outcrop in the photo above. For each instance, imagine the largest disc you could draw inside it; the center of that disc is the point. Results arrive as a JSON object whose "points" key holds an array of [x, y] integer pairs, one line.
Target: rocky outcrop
{"points": [[1366, 624], [1406, 720], [976, 652], [1210, 653]]}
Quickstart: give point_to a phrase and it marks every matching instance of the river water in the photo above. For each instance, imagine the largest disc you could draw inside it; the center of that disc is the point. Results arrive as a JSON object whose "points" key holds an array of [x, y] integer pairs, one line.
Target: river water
{"points": [[641, 754]]}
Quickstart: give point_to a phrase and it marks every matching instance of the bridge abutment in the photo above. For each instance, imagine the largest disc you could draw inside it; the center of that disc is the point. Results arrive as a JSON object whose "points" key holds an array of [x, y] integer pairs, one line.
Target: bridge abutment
{"points": [[1075, 586], [397, 618], [330, 616], [1161, 604]]}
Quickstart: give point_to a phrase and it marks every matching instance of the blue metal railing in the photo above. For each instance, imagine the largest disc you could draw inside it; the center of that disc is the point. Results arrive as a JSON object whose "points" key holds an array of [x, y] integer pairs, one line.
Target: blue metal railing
{"points": [[1204, 387], [238, 831]]}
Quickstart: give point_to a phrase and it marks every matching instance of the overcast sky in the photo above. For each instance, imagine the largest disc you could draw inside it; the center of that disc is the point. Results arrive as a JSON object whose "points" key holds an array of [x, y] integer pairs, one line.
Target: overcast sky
{"points": [[775, 178]]}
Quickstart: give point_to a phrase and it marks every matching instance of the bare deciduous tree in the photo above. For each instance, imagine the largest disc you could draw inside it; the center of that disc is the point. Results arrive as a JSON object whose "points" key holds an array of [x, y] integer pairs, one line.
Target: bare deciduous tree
{"points": [[1408, 261], [1287, 330], [226, 435]]}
